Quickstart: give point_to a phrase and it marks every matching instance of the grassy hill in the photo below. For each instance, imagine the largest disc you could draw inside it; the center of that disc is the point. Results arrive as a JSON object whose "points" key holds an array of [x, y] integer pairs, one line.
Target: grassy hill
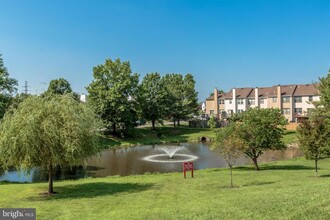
{"points": [[167, 134], [281, 190]]}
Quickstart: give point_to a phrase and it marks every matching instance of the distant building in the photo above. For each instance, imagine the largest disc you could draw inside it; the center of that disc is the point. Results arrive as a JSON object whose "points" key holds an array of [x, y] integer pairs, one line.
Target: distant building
{"points": [[294, 101], [83, 97], [203, 106]]}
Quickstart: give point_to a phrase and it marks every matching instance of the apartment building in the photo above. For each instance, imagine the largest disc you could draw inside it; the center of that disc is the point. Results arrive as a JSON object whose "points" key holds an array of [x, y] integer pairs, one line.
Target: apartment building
{"points": [[294, 101]]}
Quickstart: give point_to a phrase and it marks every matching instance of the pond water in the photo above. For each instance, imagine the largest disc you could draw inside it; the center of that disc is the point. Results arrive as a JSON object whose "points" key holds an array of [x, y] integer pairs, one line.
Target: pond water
{"points": [[133, 161]]}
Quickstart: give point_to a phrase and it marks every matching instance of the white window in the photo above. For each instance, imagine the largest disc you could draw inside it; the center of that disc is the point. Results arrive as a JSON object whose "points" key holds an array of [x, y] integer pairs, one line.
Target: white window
{"points": [[251, 101], [286, 99], [239, 110], [211, 112], [286, 111], [230, 101], [298, 99], [310, 98], [274, 99], [221, 101], [298, 111], [240, 101], [262, 100]]}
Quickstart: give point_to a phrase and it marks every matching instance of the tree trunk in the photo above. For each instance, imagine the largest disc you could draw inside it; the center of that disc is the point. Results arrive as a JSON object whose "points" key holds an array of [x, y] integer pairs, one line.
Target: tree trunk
{"points": [[174, 123], [179, 122], [50, 180], [316, 168], [231, 176], [114, 128], [153, 124], [255, 161]]}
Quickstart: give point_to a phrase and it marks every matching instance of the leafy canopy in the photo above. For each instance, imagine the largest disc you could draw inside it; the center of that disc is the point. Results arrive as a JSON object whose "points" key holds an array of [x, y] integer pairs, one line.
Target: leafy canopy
{"points": [[7, 88], [314, 137], [153, 98], [212, 122], [324, 91], [261, 130], [183, 96], [48, 132], [60, 87], [112, 94], [314, 132], [229, 144]]}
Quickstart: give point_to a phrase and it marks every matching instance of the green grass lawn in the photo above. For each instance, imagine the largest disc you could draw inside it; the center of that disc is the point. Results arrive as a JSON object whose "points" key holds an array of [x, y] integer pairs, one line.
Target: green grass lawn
{"points": [[163, 134], [281, 190], [290, 137], [167, 134]]}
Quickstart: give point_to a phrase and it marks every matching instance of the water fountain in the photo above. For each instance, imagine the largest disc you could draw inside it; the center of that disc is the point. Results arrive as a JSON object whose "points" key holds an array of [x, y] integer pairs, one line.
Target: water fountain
{"points": [[171, 156], [170, 151]]}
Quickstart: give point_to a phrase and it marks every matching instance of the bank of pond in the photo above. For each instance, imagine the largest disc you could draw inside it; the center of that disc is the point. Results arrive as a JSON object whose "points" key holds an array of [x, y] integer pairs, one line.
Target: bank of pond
{"points": [[144, 159]]}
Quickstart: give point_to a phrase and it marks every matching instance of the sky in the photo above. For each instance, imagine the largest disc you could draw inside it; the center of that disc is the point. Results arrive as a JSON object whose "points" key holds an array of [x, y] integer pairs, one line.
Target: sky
{"points": [[223, 43]]}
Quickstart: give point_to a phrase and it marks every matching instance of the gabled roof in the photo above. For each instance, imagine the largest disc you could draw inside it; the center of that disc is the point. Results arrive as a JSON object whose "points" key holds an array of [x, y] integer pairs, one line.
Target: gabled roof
{"points": [[286, 90], [307, 89], [220, 95], [210, 97], [243, 92]]}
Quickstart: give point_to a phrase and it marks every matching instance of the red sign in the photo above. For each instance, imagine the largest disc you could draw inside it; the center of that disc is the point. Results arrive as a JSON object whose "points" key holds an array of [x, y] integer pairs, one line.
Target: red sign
{"points": [[188, 166]]}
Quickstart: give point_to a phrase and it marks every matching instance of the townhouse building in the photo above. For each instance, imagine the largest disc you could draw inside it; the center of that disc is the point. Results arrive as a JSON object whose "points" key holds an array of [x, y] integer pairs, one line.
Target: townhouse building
{"points": [[294, 101]]}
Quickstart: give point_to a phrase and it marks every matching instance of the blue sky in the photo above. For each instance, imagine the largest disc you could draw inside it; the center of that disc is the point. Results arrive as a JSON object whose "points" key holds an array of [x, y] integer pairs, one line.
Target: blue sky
{"points": [[224, 44]]}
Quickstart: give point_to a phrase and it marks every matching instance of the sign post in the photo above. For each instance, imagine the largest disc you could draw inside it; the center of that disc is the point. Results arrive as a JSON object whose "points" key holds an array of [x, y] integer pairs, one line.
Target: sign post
{"points": [[188, 166]]}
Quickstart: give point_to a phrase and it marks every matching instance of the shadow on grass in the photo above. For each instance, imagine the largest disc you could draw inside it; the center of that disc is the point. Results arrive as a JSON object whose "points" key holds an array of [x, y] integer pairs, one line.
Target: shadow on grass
{"points": [[290, 132], [6, 182], [324, 176], [147, 136], [276, 167], [258, 183], [91, 190]]}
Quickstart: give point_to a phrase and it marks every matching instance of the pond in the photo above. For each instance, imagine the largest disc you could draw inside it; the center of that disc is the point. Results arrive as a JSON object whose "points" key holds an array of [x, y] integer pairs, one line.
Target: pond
{"points": [[145, 159]]}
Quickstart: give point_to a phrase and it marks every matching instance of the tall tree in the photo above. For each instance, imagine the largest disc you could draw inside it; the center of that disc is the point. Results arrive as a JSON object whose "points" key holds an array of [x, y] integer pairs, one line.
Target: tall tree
{"points": [[153, 98], [174, 86], [314, 138], [7, 88], [314, 132], [183, 96], [230, 145], [112, 94], [60, 87], [46, 132], [324, 91], [190, 100], [261, 130]]}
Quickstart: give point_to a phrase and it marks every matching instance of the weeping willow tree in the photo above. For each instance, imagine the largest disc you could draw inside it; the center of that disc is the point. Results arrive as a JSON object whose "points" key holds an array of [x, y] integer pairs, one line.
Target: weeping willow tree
{"points": [[46, 132]]}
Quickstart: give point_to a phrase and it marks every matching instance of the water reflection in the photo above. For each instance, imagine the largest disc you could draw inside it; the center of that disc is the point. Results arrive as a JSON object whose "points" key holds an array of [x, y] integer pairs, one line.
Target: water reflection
{"points": [[129, 161]]}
